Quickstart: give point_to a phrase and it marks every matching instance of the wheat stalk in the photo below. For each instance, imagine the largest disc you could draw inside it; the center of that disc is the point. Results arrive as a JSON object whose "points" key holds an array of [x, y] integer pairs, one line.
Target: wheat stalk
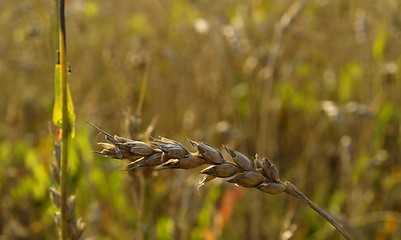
{"points": [[74, 226], [164, 153], [63, 117]]}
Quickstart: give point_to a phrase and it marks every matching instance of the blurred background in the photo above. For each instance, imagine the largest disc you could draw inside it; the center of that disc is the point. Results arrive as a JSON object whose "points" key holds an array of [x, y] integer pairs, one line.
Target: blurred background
{"points": [[313, 85]]}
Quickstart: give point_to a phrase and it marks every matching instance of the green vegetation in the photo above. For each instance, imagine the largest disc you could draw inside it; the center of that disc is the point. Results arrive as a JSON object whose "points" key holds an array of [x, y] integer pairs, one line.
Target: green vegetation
{"points": [[312, 85]]}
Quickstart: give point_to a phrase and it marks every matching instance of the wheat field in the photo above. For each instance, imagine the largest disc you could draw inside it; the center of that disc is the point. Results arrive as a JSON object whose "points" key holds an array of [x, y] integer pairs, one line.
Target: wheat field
{"points": [[314, 86]]}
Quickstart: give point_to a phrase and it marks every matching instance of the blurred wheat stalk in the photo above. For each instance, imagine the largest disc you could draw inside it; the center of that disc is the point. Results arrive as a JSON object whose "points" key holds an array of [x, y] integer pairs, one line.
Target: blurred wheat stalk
{"points": [[64, 118], [164, 153]]}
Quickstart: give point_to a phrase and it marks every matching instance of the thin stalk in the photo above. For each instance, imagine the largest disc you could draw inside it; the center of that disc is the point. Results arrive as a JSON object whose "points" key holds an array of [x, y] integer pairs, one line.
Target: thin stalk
{"points": [[143, 91], [65, 126], [294, 191]]}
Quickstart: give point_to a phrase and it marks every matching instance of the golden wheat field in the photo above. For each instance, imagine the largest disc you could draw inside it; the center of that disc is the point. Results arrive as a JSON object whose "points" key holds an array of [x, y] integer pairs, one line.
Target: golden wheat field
{"points": [[312, 85]]}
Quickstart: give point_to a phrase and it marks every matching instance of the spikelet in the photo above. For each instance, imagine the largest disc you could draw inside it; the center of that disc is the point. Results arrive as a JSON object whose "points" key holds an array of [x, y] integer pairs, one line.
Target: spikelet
{"points": [[147, 161], [222, 170], [268, 168], [272, 188], [211, 154], [187, 162], [240, 159], [137, 147], [171, 149], [248, 179]]}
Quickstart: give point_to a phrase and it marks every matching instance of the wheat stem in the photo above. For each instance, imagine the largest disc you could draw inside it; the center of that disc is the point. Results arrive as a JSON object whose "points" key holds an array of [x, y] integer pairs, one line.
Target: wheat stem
{"points": [[294, 191], [65, 125]]}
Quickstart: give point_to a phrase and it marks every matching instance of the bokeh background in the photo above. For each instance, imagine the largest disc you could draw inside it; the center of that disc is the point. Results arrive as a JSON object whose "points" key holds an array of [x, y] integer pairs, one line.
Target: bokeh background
{"points": [[313, 85]]}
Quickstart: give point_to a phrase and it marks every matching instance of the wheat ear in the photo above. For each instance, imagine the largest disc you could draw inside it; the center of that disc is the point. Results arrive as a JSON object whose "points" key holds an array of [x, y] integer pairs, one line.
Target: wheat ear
{"points": [[164, 153]]}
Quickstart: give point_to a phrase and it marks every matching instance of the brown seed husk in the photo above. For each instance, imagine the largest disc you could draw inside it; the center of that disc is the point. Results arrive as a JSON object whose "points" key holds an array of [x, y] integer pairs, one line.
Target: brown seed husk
{"points": [[240, 159], [248, 179], [211, 154], [185, 162], [270, 170], [171, 148], [147, 161], [222, 170], [272, 188]]}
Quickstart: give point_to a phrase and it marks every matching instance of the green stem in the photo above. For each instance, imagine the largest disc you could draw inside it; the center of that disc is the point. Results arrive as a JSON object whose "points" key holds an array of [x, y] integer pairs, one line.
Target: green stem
{"points": [[65, 125]]}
